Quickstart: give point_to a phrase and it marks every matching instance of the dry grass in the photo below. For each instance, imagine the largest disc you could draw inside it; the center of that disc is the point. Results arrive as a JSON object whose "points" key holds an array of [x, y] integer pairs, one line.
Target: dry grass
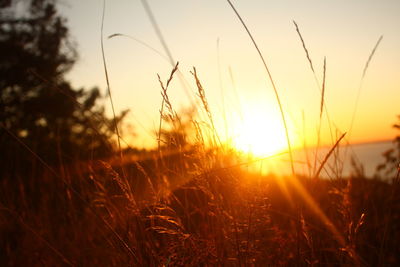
{"points": [[193, 206], [193, 203], [222, 216]]}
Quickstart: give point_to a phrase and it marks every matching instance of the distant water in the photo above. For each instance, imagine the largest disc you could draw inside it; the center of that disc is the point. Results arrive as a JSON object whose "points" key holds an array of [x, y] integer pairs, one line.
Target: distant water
{"points": [[369, 155]]}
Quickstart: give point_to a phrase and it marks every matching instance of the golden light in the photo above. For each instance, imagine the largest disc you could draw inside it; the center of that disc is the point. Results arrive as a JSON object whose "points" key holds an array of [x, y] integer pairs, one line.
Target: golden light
{"points": [[259, 131]]}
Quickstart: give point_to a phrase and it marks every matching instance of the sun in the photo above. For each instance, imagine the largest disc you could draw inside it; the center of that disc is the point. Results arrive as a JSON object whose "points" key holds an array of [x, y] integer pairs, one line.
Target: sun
{"points": [[259, 132]]}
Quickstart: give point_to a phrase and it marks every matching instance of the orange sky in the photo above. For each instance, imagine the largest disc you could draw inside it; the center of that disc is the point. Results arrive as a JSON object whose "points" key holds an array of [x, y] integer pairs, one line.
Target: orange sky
{"points": [[343, 31]]}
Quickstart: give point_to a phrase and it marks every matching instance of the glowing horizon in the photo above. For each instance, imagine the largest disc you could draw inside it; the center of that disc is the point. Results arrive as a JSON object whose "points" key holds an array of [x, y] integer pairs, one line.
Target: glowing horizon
{"points": [[208, 35]]}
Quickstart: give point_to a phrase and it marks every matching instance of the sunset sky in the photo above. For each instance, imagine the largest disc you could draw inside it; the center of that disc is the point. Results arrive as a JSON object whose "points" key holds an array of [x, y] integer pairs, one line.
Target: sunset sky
{"points": [[207, 34]]}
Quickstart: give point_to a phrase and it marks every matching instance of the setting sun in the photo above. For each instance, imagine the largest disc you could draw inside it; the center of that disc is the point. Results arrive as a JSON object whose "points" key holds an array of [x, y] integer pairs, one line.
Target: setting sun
{"points": [[260, 132]]}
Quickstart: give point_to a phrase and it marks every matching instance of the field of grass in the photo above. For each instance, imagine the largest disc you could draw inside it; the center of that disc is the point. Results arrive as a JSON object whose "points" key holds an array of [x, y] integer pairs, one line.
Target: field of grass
{"points": [[194, 208], [192, 201]]}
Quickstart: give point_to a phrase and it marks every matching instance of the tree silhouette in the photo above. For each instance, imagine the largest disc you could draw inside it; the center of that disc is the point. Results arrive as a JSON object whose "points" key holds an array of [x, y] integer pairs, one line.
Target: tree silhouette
{"points": [[391, 166], [38, 107]]}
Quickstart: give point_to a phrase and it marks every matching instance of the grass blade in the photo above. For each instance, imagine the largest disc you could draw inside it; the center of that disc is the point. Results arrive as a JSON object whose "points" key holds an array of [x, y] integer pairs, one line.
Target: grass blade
{"points": [[108, 80], [353, 117], [323, 90], [305, 48], [328, 155], [272, 83], [160, 36]]}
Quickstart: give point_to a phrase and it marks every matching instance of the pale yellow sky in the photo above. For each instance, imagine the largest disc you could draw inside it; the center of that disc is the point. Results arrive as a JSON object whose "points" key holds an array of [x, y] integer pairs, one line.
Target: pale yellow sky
{"points": [[343, 31]]}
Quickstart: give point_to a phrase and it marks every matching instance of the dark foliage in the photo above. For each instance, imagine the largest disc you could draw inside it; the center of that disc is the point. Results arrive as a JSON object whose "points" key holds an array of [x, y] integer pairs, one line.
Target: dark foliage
{"points": [[38, 106], [391, 166]]}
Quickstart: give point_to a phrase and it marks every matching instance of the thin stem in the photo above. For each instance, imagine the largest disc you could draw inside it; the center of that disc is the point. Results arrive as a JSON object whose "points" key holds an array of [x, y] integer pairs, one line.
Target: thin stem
{"points": [[272, 83], [108, 81]]}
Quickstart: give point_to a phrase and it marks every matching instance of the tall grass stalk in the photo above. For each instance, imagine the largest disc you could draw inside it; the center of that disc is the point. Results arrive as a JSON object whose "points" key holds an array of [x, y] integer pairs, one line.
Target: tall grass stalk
{"points": [[320, 117], [272, 83], [328, 155], [322, 90], [315, 77], [202, 96], [107, 79], [355, 109], [305, 148], [165, 101], [361, 84], [165, 46], [142, 43]]}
